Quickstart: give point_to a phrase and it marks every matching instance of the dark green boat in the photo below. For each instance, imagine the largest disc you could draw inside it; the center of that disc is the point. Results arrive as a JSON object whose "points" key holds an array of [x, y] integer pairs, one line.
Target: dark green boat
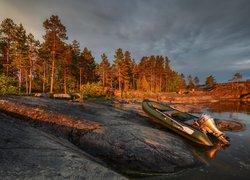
{"points": [[185, 124]]}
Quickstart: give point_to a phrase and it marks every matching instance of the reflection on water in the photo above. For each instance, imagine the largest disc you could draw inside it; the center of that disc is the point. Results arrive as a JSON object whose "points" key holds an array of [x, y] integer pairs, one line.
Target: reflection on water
{"points": [[228, 106], [210, 153], [232, 162]]}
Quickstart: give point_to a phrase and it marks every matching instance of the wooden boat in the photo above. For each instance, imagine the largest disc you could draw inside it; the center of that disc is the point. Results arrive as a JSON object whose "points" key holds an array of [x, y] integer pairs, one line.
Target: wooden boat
{"points": [[185, 124]]}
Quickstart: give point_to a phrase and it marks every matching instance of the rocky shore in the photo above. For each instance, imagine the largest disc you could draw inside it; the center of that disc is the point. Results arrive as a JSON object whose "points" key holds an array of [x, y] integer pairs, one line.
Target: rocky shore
{"points": [[28, 153], [230, 91], [90, 140]]}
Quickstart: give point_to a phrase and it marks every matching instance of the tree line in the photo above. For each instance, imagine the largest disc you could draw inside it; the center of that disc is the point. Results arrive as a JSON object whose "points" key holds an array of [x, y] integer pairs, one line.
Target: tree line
{"points": [[56, 66]]}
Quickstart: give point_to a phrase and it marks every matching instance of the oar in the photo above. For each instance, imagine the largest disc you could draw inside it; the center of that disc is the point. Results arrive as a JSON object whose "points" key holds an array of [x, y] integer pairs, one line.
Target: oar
{"points": [[184, 128]]}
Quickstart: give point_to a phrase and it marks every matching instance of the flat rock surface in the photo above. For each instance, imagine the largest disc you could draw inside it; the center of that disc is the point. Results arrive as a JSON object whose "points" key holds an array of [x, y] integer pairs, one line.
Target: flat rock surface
{"points": [[27, 153], [126, 141]]}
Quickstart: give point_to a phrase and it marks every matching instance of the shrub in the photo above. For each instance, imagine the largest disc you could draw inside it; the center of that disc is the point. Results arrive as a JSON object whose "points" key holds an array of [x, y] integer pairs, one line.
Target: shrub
{"points": [[7, 85], [91, 89]]}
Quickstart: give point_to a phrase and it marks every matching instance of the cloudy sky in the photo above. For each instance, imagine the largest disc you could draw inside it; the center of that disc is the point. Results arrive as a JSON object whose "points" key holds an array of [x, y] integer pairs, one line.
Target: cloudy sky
{"points": [[201, 37]]}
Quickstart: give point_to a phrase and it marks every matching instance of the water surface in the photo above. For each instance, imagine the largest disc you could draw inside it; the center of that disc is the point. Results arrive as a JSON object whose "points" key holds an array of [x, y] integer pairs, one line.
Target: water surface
{"points": [[232, 162]]}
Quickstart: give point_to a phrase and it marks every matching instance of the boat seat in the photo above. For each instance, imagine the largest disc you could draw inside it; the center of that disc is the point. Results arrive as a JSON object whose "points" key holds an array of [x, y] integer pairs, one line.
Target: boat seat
{"points": [[182, 116]]}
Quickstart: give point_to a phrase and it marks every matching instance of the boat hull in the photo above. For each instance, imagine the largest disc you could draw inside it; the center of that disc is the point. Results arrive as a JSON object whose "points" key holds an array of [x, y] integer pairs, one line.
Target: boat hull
{"points": [[154, 110]]}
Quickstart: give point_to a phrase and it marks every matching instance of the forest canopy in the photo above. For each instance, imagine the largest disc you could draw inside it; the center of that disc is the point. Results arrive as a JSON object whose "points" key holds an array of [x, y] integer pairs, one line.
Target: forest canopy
{"points": [[58, 67]]}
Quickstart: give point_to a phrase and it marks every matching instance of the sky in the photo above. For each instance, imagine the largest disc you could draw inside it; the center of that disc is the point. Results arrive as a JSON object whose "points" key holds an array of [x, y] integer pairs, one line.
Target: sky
{"points": [[200, 37]]}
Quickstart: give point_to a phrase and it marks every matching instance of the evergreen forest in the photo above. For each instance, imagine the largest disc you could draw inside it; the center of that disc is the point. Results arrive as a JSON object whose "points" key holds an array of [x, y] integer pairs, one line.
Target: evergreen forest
{"points": [[54, 66]]}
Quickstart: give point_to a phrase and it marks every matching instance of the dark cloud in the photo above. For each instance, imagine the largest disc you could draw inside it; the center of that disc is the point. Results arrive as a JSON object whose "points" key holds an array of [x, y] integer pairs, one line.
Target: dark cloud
{"points": [[200, 37]]}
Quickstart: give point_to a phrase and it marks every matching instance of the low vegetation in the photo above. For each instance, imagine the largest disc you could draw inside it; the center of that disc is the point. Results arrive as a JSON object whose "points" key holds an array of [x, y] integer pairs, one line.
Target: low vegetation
{"points": [[7, 85]]}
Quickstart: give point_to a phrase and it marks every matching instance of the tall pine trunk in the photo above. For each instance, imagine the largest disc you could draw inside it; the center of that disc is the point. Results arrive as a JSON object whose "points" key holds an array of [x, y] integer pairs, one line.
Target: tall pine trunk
{"points": [[20, 77], [80, 79], [151, 79], [120, 81], [30, 75], [65, 81], [53, 64], [26, 82], [52, 75], [7, 60], [44, 77], [103, 78], [111, 82], [160, 84]]}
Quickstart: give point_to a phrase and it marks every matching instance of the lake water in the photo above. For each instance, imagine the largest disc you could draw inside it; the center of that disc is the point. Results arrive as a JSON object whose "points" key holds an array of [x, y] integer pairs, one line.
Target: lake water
{"points": [[232, 162]]}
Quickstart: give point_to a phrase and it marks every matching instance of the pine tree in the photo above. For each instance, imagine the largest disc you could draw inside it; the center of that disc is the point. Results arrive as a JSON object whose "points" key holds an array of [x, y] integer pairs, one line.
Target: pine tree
{"points": [[2, 50], [7, 32], [42, 66], [190, 82], [168, 74], [54, 37], [182, 82], [112, 78], [67, 57], [105, 67], [159, 69], [119, 57], [196, 81], [134, 74], [87, 67], [237, 77], [210, 81], [174, 86], [75, 48], [33, 46], [126, 70], [143, 83], [20, 57], [151, 73]]}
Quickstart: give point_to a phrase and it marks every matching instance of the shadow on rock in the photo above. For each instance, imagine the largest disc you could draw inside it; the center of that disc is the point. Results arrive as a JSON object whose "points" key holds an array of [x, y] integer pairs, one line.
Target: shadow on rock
{"points": [[121, 140]]}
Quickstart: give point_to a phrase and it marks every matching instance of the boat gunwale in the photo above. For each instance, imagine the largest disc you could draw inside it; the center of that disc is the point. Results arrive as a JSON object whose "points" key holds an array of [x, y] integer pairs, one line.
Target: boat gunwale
{"points": [[163, 121]]}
